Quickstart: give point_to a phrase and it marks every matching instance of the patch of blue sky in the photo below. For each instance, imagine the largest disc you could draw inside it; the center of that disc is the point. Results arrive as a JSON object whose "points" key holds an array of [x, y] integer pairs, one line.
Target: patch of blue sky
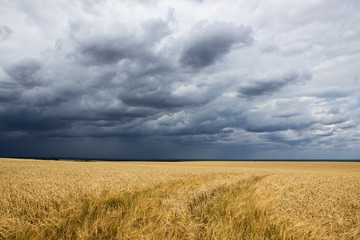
{"points": [[356, 106], [326, 100]]}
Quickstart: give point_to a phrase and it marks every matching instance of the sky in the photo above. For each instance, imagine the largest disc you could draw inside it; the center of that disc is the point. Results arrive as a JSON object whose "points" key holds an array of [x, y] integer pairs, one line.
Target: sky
{"points": [[185, 79]]}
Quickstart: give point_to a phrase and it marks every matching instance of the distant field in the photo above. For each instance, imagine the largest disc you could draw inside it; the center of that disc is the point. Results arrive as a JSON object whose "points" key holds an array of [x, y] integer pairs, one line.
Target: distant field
{"points": [[179, 200]]}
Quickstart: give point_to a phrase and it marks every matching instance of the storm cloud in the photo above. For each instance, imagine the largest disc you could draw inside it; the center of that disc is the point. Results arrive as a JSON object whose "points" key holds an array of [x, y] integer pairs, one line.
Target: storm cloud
{"points": [[186, 79], [210, 42], [25, 71], [270, 85]]}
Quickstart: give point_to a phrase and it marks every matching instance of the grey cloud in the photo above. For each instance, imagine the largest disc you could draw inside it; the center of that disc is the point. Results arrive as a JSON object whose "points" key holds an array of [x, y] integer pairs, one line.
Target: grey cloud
{"points": [[160, 101], [194, 122], [282, 137], [252, 125], [29, 120], [105, 50], [120, 44], [260, 88], [79, 100], [333, 119], [154, 30], [48, 96], [5, 33], [25, 71], [268, 86], [130, 114], [347, 125], [9, 95], [325, 134], [171, 16], [333, 110], [287, 114], [164, 97], [278, 116], [269, 49], [207, 44], [147, 79], [58, 121], [158, 83], [330, 92], [151, 85]]}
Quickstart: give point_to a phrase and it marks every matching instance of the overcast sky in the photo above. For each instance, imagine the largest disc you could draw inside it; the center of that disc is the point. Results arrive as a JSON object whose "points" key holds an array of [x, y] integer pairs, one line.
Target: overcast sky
{"points": [[180, 79]]}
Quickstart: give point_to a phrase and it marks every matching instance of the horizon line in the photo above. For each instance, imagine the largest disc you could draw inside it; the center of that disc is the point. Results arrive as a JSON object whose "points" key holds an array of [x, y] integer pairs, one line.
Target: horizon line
{"points": [[186, 159]]}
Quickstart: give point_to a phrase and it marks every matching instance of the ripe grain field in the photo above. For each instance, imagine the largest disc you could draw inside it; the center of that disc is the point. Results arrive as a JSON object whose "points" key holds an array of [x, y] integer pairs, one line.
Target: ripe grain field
{"points": [[179, 200]]}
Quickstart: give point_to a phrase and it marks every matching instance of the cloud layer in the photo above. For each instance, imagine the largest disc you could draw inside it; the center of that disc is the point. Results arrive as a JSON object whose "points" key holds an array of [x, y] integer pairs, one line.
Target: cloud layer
{"points": [[186, 79]]}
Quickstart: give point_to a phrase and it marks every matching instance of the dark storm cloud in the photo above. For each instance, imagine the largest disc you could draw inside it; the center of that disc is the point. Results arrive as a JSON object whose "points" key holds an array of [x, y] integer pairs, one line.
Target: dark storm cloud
{"points": [[148, 82], [27, 120], [118, 66], [154, 87], [5, 33], [268, 86], [144, 77], [8, 95], [160, 100], [260, 88], [107, 51], [120, 44], [263, 123], [208, 43], [25, 71], [157, 91], [9, 92]]}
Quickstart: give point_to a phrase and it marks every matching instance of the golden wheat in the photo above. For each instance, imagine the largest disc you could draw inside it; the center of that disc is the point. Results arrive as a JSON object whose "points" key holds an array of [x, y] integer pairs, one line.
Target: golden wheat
{"points": [[188, 200]]}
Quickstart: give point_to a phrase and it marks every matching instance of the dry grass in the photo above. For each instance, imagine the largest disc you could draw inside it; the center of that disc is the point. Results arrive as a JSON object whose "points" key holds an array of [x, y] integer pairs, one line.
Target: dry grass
{"points": [[190, 200]]}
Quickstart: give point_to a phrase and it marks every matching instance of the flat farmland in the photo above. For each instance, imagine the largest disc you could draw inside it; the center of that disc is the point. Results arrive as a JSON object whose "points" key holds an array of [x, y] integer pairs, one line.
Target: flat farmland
{"points": [[179, 200]]}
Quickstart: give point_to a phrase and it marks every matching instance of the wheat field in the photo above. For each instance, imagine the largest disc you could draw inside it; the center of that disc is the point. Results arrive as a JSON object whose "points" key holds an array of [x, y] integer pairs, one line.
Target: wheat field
{"points": [[179, 200]]}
